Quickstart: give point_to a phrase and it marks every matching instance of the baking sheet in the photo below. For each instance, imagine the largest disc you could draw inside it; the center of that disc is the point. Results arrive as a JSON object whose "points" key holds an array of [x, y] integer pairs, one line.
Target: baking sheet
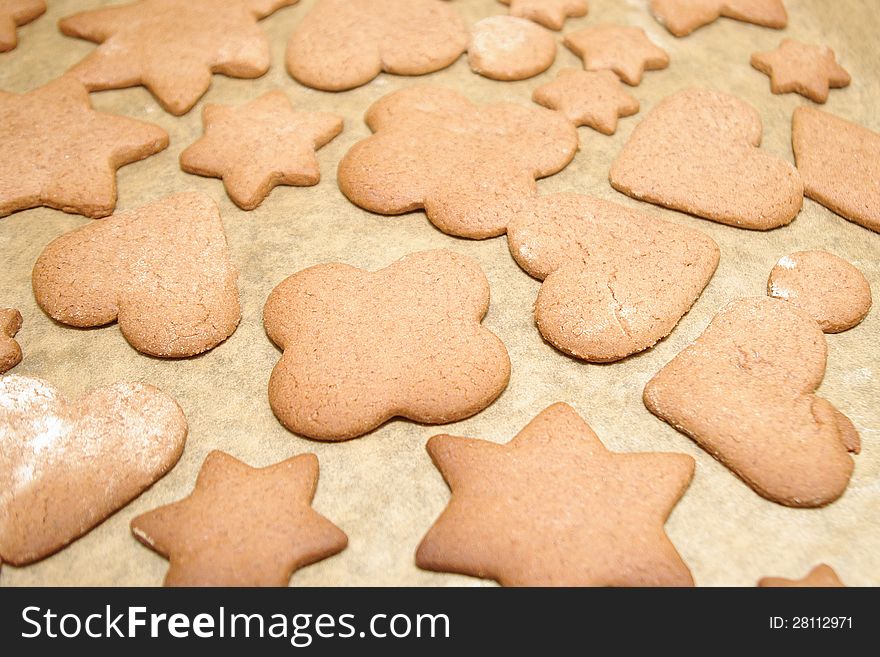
{"points": [[382, 488]]}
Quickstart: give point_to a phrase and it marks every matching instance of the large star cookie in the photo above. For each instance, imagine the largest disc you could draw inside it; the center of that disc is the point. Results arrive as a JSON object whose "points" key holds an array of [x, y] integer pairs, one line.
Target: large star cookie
{"points": [[625, 50], [363, 347], [615, 280], [55, 150], [554, 507], [162, 270], [342, 44], [840, 164], [697, 151], [822, 576], [681, 17], [468, 166], [745, 392], [259, 145], [592, 98], [67, 465], [14, 13], [549, 13], [802, 68], [172, 47], [242, 526]]}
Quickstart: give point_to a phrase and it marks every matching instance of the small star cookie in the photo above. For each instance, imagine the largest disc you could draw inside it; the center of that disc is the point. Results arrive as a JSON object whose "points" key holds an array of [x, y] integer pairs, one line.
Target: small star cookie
{"points": [[592, 98], [625, 50], [172, 47], [822, 576], [55, 150], [802, 68], [549, 13], [14, 13], [554, 507], [260, 145], [242, 526]]}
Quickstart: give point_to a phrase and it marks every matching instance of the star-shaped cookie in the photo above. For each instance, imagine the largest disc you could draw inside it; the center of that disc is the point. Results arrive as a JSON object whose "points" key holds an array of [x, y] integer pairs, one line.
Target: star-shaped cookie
{"points": [[549, 13], [802, 68], [55, 150], [14, 13], [242, 526], [592, 98], [822, 576], [553, 507], [259, 145], [625, 50], [172, 47]]}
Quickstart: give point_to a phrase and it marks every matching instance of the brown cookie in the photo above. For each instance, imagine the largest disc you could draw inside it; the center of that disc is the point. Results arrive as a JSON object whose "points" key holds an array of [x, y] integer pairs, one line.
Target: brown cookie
{"points": [[10, 352], [827, 288], [468, 166], [14, 13], [592, 98], [681, 17], [697, 151], [242, 526], [342, 44], [259, 145], [510, 48], [553, 507], [822, 576], [549, 13], [68, 465], [361, 348], [744, 391], [59, 152], [840, 165], [802, 68], [615, 280], [625, 50], [171, 47], [163, 271]]}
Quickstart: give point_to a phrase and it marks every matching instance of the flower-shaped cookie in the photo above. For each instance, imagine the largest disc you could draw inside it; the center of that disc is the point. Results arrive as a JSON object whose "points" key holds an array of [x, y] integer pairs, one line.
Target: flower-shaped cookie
{"points": [[361, 347], [468, 166]]}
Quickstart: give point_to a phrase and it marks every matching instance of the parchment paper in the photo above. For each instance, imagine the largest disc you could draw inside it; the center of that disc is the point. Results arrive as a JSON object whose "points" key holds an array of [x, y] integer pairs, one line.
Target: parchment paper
{"points": [[382, 488]]}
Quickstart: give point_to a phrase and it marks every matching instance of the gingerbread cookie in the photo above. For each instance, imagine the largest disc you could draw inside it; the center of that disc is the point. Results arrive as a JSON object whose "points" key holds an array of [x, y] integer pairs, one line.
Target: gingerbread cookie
{"points": [[549, 13], [681, 17], [697, 151], [840, 165], [259, 145], [342, 44], [625, 50], [242, 526], [172, 48], [361, 348], [554, 507], [744, 391], [68, 465], [827, 288], [822, 576], [10, 352], [14, 13], [591, 98], [468, 166], [615, 280], [802, 68], [59, 152], [163, 271], [510, 48]]}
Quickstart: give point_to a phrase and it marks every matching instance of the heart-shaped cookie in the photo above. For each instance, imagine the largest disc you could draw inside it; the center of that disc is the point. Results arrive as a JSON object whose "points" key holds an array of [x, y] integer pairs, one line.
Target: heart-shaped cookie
{"points": [[697, 151], [745, 392], [162, 270], [615, 280], [67, 465]]}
